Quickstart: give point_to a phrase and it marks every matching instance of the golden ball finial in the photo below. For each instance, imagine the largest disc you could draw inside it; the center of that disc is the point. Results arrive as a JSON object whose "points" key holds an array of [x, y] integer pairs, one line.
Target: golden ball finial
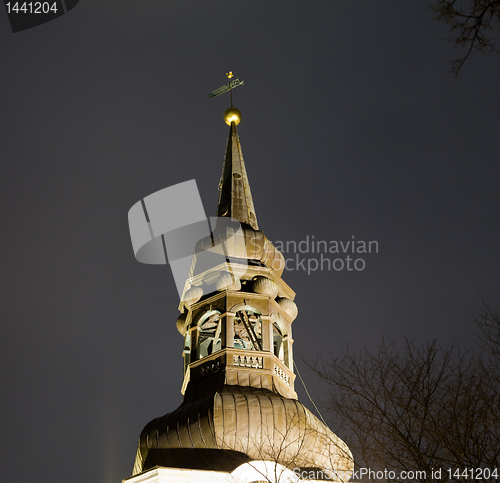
{"points": [[232, 114]]}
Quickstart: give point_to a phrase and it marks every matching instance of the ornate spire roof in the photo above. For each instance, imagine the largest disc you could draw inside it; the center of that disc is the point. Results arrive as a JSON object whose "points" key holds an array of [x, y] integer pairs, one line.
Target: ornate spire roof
{"points": [[235, 199]]}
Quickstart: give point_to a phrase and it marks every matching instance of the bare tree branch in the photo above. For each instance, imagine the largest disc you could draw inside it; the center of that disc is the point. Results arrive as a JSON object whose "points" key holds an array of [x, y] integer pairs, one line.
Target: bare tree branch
{"points": [[418, 407], [472, 24]]}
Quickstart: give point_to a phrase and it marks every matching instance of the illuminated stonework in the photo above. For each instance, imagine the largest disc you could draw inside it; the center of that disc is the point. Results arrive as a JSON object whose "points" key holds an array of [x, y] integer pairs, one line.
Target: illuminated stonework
{"points": [[254, 472], [240, 409]]}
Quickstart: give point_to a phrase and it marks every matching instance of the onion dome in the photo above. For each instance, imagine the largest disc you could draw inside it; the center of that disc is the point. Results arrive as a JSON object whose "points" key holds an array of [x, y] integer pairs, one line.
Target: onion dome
{"points": [[203, 433]]}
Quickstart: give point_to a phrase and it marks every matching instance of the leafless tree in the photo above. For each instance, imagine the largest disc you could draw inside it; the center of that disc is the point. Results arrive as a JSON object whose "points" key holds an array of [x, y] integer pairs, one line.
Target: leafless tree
{"points": [[473, 26], [418, 408]]}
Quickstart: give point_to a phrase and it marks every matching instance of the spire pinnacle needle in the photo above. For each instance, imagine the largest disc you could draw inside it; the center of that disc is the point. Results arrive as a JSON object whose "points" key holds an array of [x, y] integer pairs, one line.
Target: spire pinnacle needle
{"points": [[230, 76]]}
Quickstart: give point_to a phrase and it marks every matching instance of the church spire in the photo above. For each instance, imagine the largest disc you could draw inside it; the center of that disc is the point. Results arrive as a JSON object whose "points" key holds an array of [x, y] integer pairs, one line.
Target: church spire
{"points": [[240, 408], [235, 199]]}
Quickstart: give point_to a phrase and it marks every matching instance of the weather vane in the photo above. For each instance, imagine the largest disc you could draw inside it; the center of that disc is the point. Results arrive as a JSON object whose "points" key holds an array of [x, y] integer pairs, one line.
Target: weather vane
{"points": [[227, 87]]}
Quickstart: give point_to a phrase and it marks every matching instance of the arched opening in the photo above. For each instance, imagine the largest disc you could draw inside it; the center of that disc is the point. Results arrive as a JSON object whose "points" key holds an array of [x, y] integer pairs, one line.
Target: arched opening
{"points": [[280, 344], [248, 329], [209, 340], [187, 350]]}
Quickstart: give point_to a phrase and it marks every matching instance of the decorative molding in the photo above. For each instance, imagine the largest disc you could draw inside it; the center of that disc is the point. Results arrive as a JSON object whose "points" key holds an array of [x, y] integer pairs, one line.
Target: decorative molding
{"points": [[248, 361], [211, 367], [282, 374]]}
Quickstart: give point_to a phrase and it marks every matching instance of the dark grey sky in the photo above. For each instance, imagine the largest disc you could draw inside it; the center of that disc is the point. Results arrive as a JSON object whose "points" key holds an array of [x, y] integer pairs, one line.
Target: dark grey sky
{"points": [[351, 126]]}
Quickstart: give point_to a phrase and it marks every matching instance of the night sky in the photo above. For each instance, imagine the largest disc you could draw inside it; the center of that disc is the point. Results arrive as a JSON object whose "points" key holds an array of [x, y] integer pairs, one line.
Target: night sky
{"points": [[352, 126]]}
